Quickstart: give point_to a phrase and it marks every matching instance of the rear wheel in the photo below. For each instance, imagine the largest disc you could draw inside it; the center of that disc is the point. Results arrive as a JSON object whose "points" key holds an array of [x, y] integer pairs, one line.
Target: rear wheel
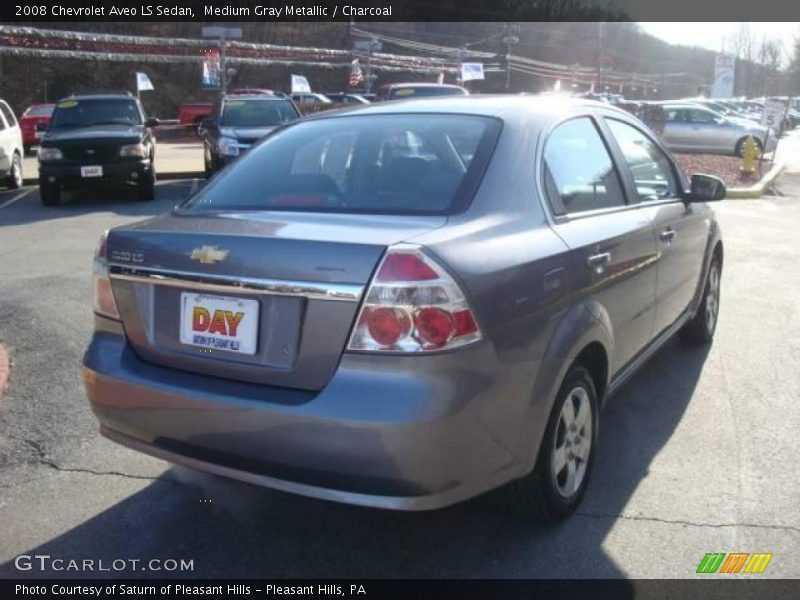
{"points": [[700, 330], [555, 487], [50, 194], [14, 179]]}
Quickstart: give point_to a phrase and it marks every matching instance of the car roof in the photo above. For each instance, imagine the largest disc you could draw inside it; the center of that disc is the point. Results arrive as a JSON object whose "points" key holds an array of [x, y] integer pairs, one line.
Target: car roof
{"points": [[99, 96], [502, 106], [266, 97], [421, 84]]}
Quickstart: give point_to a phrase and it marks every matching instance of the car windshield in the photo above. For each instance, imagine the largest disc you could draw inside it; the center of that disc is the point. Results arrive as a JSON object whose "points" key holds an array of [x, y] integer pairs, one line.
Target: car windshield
{"points": [[425, 90], [396, 164], [39, 111], [95, 111], [257, 113]]}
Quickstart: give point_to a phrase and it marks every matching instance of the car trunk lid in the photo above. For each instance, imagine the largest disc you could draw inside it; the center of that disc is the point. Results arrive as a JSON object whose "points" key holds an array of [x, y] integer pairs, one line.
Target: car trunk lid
{"points": [[294, 281]]}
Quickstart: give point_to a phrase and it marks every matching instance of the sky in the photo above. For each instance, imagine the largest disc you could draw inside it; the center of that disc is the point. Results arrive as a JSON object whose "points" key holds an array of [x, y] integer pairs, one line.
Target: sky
{"points": [[713, 35]]}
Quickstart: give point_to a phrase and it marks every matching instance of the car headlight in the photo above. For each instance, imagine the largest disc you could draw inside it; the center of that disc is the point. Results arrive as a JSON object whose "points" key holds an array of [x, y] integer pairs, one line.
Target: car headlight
{"points": [[46, 154], [228, 146], [135, 151]]}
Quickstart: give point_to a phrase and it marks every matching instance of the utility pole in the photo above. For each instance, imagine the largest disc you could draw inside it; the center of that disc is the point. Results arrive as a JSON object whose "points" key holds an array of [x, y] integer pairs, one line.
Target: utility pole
{"points": [[511, 37]]}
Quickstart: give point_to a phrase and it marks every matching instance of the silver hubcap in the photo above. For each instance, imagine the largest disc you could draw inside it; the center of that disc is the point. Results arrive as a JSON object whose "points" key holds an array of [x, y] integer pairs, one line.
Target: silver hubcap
{"points": [[572, 442], [712, 298]]}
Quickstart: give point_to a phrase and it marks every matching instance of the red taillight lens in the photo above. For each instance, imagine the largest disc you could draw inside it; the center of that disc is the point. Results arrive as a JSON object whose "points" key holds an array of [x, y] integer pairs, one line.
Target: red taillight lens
{"points": [[404, 266], [434, 326], [387, 325], [408, 283]]}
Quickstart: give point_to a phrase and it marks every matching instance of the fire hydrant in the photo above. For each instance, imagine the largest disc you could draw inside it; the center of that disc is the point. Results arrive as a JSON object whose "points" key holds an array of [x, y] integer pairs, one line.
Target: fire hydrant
{"points": [[750, 154]]}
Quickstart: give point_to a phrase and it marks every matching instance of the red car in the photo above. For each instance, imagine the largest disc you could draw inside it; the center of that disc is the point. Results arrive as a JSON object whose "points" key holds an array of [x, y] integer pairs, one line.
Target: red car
{"points": [[33, 115], [191, 113]]}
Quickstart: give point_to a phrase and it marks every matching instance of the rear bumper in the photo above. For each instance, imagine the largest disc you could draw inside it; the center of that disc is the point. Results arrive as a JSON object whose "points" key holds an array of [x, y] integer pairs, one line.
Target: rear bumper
{"points": [[399, 438], [113, 173]]}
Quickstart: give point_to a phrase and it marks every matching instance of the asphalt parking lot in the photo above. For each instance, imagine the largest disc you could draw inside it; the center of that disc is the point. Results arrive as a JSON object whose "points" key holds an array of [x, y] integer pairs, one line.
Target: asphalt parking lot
{"points": [[697, 454]]}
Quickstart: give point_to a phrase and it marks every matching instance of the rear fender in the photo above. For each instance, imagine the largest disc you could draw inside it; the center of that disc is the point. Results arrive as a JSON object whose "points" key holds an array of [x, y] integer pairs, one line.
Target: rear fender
{"points": [[583, 324]]}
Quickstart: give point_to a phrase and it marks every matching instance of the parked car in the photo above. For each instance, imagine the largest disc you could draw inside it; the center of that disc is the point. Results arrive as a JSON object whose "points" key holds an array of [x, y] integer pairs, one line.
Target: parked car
{"points": [[693, 128], [192, 113], [237, 122], [33, 121], [310, 98], [406, 91], [97, 140], [405, 306], [346, 98], [11, 148]]}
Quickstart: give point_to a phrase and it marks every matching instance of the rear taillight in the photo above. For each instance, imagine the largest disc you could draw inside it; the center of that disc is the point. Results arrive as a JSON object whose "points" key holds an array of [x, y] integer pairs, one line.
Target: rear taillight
{"points": [[412, 305], [103, 296]]}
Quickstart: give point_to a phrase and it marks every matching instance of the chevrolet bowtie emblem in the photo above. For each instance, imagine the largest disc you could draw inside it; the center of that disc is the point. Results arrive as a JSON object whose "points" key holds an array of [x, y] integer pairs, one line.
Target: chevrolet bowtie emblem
{"points": [[208, 255]]}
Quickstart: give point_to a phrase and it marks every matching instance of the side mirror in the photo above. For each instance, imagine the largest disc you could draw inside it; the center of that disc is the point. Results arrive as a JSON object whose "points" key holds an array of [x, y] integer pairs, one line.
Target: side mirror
{"points": [[41, 127], [152, 122], [706, 188]]}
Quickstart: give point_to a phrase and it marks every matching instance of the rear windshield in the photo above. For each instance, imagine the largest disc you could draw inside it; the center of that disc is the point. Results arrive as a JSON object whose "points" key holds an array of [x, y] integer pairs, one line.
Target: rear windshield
{"points": [[257, 113], [39, 111], [424, 90], [105, 111], [401, 164]]}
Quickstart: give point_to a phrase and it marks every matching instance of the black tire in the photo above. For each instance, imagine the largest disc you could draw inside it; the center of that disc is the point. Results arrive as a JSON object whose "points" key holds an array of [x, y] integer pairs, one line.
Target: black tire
{"points": [[50, 194], [146, 188], [544, 493], [15, 178], [700, 329], [208, 164], [739, 149]]}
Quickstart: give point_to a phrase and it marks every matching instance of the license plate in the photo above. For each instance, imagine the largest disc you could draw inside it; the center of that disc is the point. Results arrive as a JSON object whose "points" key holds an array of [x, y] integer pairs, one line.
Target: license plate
{"points": [[219, 322], [92, 171]]}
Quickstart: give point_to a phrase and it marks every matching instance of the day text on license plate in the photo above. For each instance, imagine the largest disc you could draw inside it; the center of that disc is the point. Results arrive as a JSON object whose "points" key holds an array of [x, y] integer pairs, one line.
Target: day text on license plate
{"points": [[219, 322], [92, 171]]}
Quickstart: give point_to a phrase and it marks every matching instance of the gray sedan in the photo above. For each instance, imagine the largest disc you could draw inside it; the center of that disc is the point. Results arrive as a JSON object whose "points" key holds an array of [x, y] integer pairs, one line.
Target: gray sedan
{"points": [[690, 127], [405, 305]]}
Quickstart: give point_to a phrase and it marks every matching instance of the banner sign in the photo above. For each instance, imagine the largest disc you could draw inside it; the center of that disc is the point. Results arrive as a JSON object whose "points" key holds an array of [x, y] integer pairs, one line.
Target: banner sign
{"points": [[300, 84], [211, 69], [143, 83], [724, 74], [772, 116], [471, 71]]}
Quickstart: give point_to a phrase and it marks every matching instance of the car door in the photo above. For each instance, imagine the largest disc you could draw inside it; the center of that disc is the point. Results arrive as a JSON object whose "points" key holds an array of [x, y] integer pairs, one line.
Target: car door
{"points": [[676, 129], [6, 144], [681, 228], [611, 241], [705, 131]]}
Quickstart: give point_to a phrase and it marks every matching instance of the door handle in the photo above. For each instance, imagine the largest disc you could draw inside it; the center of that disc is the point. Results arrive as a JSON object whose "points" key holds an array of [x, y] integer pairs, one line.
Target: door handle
{"points": [[667, 236], [598, 262]]}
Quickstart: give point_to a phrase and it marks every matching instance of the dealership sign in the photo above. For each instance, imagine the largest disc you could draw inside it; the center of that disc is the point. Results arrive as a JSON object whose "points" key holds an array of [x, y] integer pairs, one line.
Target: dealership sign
{"points": [[724, 74]]}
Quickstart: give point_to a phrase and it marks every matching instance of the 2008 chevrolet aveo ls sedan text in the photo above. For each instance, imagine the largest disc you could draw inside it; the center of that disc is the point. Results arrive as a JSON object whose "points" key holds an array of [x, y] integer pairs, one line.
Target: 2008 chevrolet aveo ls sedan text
{"points": [[407, 304]]}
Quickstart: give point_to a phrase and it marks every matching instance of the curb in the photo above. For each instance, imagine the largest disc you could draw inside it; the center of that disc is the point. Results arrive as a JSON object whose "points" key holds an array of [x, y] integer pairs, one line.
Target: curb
{"points": [[757, 190], [5, 368]]}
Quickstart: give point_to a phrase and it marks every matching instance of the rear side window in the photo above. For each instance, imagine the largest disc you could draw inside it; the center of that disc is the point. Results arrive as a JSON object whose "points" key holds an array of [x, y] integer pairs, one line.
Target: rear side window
{"points": [[579, 172], [397, 164], [651, 169], [8, 114]]}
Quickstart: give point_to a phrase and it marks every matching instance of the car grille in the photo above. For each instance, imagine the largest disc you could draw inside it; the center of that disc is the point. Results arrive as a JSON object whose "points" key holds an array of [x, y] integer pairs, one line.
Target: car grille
{"points": [[92, 152]]}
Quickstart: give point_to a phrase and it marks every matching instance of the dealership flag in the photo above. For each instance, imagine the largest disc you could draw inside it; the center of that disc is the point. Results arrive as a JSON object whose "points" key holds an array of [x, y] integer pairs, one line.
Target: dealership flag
{"points": [[211, 70], [356, 76], [300, 84], [470, 71], [143, 83]]}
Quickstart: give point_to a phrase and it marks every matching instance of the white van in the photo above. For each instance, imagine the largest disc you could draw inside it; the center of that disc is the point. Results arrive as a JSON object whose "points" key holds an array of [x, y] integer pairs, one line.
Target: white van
{"points": [[10, 148]]}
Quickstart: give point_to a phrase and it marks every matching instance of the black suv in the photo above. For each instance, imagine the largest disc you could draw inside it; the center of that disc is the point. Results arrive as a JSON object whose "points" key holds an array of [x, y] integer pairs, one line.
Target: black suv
{"points": [[97, 139], [239, 121]]}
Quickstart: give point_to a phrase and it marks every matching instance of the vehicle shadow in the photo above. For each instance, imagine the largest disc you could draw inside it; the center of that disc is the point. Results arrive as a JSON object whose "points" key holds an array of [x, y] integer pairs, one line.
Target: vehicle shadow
{"points": [[29, 209], [230, 529]]}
